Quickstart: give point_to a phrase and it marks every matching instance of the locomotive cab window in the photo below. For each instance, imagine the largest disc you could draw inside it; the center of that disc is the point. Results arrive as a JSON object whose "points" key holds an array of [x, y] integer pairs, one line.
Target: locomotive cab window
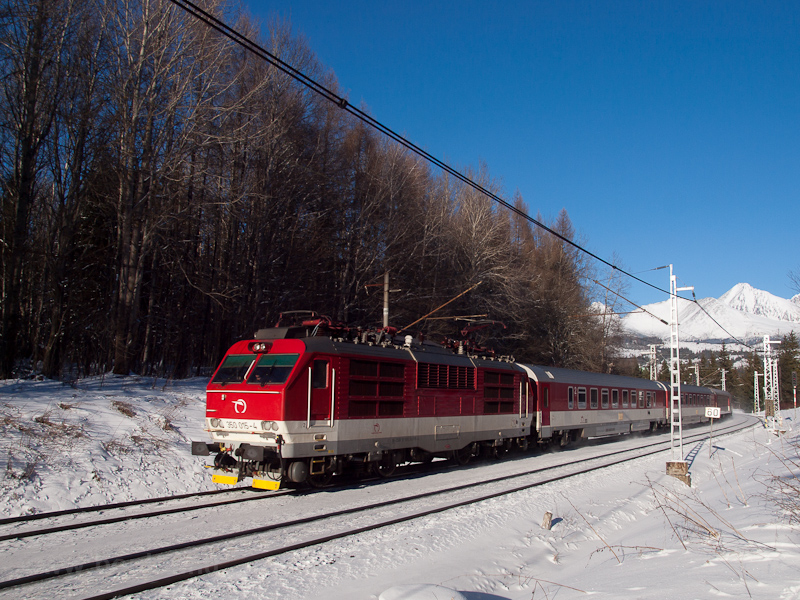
{"points": [[234, 368], [273, 369]]}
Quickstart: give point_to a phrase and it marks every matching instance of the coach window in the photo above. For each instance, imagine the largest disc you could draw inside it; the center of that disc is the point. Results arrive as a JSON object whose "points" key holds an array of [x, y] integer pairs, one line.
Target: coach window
{"points": [[649, 400], [614, 398], [641, 399], [593, 398], [581, 398], [604, 398], [570, 398], [624, 398]]}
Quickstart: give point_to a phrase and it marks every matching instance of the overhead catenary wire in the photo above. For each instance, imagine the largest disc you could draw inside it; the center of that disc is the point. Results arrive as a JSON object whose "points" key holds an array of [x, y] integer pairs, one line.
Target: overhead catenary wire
{"points": [[631, 302], [342, 103]]}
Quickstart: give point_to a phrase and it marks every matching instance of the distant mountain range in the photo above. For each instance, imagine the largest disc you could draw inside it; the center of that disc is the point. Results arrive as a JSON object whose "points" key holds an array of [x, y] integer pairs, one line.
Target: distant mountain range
{"points": [[743, 312]]}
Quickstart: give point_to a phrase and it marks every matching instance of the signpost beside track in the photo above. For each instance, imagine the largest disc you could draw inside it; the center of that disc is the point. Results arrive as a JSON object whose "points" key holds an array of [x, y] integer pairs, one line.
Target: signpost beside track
{"points": [[712, 412]]}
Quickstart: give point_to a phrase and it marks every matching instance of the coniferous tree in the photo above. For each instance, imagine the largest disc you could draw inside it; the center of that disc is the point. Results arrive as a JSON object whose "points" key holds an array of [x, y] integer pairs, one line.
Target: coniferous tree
{"points": [[788, 361]]}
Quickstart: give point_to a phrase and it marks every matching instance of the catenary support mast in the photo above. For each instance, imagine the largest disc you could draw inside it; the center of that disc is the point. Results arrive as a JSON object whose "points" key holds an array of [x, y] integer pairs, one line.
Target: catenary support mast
{"points": [[676, 423], [772, 397], [653, 365]]}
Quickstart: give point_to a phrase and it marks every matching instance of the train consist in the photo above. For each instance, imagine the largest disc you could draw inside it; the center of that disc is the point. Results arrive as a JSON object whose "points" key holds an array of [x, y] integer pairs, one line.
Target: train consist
{"points": [[311, 398]]}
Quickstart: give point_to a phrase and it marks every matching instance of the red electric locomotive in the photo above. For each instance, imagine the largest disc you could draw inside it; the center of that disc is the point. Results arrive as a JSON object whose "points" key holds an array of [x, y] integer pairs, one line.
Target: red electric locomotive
{"points": [[305, 401]]}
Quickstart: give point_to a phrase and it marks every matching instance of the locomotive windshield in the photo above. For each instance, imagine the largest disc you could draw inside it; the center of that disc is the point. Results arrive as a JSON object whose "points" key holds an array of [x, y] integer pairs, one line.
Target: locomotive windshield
{"points": [[234, 368], [273, 368]]}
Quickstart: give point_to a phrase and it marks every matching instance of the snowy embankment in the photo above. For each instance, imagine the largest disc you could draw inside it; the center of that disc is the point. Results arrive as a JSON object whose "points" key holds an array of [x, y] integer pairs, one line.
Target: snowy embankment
{"points": [[627, 532], [101, 440]]}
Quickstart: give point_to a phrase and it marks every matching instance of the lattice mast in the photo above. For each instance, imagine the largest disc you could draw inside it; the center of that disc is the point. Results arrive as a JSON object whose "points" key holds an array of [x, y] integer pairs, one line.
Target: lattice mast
{"points": [[756, 395], [772, 397], [676, 423], [653, 366]]}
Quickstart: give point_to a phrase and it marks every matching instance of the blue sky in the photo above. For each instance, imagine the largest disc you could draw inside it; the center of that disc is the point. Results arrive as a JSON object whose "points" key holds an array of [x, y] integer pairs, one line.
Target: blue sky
{"points": [[669, 131]]}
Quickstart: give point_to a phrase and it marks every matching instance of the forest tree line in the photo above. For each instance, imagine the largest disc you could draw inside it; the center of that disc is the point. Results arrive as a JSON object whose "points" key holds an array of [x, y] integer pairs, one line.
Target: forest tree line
{"points": [[165, 193]]}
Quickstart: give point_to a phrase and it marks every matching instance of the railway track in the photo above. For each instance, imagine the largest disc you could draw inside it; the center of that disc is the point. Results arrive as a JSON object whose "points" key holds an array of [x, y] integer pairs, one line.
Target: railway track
{"points": [[18, 527], [193, 550]]}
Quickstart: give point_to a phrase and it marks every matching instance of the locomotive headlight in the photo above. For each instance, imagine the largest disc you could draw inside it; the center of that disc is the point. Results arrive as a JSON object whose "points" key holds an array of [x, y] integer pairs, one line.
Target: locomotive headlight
{"points": [[267, 425], [215, 422], [259, 347], [274, 426]]}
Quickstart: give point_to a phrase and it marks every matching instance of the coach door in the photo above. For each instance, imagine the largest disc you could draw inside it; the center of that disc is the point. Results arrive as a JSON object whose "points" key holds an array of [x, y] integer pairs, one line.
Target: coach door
{"points": [[544, 404], [321, 382]]}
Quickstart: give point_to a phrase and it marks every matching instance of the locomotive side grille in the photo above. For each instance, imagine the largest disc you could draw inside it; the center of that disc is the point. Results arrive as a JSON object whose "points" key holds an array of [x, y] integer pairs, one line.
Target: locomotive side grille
{"points": [[451, 377], [376, 389]]}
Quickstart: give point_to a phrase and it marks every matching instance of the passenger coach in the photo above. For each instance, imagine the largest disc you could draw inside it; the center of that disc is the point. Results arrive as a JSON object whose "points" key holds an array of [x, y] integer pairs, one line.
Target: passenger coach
{"points": [[576, 404]]}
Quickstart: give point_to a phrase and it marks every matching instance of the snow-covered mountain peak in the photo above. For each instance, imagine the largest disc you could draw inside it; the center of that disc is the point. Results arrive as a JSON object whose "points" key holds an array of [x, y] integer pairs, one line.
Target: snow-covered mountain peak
{"points": [[744, 298], [743, 312]]}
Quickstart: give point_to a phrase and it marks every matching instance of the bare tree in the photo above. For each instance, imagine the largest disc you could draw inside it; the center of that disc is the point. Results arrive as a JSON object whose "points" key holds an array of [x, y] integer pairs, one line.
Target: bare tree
{"points": [[77, 136], [160, 57], [32, 40]]}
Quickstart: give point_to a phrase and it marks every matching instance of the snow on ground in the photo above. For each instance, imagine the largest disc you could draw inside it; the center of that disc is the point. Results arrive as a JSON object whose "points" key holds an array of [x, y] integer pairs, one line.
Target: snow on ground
{"points": [[629, 532], [100, 440]]}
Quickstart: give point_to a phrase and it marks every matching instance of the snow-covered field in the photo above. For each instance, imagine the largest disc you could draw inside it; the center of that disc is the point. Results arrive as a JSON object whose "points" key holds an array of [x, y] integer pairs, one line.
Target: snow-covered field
{"points": [[101, 440], [629, 532]]}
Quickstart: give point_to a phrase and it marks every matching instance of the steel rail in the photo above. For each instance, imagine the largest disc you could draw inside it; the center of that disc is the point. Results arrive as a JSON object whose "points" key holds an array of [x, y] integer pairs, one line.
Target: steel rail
{"points": [[133, 517], [115, 505]]}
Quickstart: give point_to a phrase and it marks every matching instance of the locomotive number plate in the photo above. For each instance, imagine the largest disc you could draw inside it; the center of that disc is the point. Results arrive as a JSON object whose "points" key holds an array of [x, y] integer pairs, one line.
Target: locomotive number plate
{"points": [[240, 425]]}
